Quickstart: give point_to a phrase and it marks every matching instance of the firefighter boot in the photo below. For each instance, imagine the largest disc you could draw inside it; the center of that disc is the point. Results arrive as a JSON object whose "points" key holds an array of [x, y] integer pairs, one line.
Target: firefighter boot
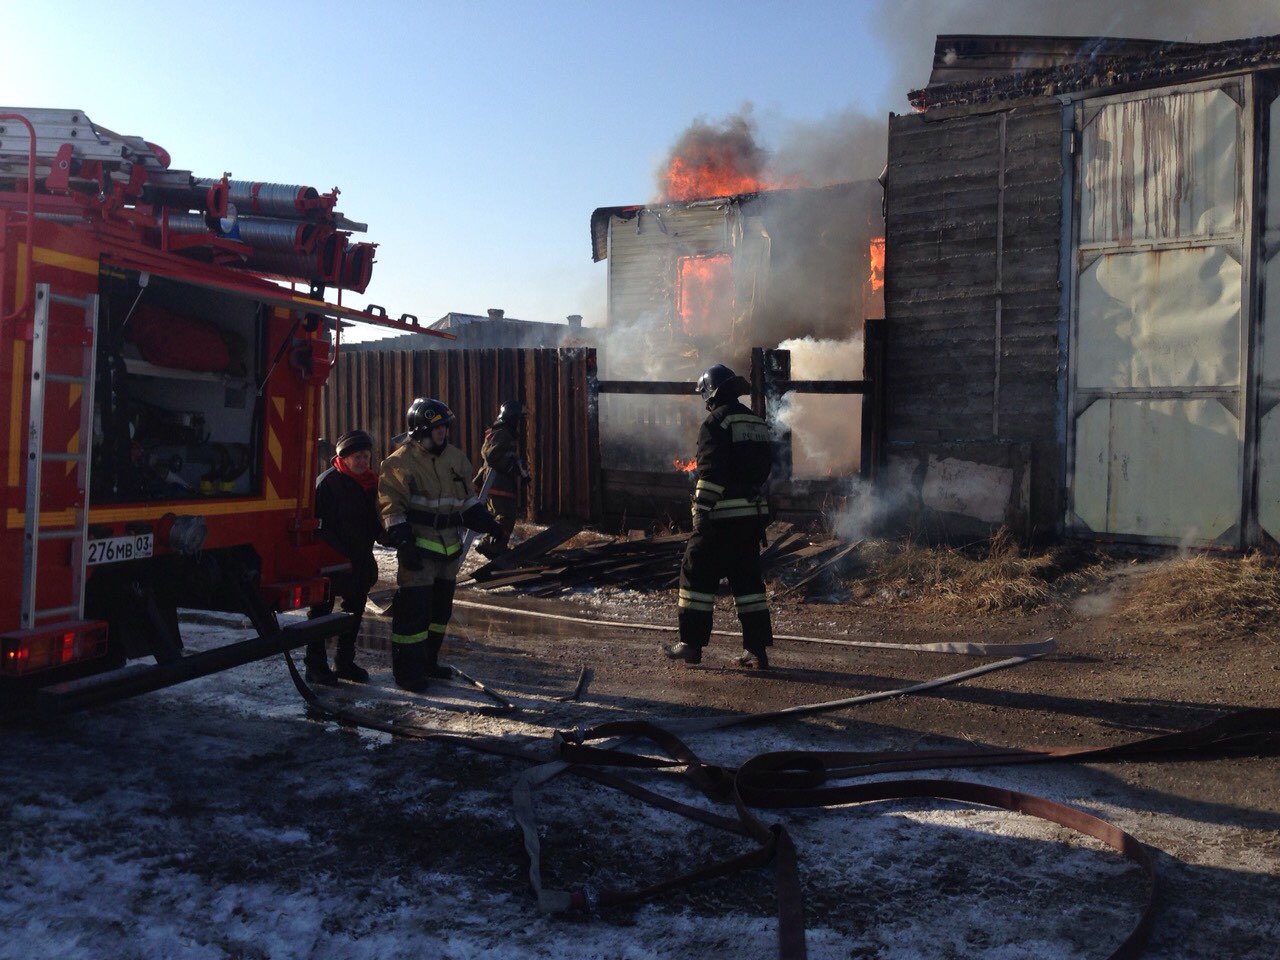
{"points": [[688, 652], [408, 666], [317, 664], [753, 659], [345, 662], [434, 669]]}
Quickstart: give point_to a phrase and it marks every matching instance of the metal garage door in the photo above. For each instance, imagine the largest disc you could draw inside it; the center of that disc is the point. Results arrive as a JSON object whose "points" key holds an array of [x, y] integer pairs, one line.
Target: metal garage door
{"points": [[1269, 356], [1157, 352]]}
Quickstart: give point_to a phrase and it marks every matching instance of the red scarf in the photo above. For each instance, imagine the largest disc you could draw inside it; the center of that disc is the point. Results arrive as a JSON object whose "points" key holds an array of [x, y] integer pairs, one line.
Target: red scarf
{"points": [[368, 479]]}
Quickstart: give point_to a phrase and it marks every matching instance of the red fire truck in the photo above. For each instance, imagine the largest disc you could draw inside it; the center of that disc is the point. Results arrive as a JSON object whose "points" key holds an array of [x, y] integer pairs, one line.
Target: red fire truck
{"points": [[159, 399]]}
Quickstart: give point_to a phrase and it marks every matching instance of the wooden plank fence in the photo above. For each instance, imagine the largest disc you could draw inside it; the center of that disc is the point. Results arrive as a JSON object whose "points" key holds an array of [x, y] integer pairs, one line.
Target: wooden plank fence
{"points": [[560, 390], [372, 390]]}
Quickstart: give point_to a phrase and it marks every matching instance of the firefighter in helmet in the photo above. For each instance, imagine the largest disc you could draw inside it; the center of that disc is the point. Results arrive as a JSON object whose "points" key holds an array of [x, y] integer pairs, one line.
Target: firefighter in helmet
{"points": [[426, 500], [730, 512], [347, 507], [502, 461]]}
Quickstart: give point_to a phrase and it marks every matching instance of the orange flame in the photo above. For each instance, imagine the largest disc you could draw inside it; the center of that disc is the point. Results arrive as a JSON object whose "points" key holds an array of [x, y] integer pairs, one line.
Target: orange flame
{"points": [[685, 466], [706, 295], [714, 177], [876, 279]]}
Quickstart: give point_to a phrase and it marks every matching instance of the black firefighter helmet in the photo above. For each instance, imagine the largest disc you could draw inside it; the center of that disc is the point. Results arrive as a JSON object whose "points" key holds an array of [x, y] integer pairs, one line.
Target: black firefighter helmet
{"points": [[511, 412], [720, 385], [425, 414]]}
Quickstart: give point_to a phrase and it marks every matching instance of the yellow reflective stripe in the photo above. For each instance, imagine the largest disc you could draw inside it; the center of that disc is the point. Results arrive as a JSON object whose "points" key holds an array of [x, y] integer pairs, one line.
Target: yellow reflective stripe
{"points": [[409, 637], [753, 607], [749, 597], [686, 604], [437, 628], [742, 418], [434, 546], [695, 595], [708, 485]]}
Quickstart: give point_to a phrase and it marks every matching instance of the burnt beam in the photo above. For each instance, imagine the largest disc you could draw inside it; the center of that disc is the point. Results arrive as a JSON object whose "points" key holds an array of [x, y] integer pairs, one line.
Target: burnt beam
{"points": [[648, 386]]}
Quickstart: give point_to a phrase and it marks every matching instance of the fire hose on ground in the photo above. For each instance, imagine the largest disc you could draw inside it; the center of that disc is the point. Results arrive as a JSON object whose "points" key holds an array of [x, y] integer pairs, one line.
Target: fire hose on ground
{"points": [[807, 779]]}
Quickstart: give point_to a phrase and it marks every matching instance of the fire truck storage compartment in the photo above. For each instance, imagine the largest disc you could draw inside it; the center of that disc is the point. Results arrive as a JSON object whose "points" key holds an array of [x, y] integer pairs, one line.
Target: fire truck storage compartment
{"points": [[178, 415]]}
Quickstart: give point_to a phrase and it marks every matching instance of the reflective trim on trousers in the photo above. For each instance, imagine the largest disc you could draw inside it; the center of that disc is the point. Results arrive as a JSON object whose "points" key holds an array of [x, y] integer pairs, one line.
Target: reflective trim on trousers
{"points": [[687, 604], [437, 628], [435, 546], [721, 512], [409, 637]]}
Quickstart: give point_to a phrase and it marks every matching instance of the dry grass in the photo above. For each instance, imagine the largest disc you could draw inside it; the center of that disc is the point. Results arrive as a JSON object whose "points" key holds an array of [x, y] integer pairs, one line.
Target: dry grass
{"points": [[1234, 592], [991, 576]]}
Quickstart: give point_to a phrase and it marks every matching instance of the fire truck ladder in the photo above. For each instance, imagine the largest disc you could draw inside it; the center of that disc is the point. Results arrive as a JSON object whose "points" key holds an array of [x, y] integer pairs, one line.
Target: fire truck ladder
{"points": [[37, 456]]}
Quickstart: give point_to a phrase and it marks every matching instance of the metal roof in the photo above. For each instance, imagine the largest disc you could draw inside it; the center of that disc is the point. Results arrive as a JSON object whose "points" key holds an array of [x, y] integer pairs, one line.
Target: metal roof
{"points": [[971, 70]]}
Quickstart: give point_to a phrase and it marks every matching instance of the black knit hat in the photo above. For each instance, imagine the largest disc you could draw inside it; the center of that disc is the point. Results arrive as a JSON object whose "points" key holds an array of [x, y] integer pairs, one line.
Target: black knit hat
{"points": [[353, 442]]}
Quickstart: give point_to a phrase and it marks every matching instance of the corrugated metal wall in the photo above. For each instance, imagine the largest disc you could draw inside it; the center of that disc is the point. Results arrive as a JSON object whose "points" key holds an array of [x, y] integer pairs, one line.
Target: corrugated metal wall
{"points": [[1161, 314], [1268, 366], [972, 308], [373, 389], [643, 253]]}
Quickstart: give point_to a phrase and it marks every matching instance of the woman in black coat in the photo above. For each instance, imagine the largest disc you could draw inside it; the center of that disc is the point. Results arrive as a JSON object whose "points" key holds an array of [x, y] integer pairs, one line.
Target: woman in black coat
{"points": [[347, 506]]}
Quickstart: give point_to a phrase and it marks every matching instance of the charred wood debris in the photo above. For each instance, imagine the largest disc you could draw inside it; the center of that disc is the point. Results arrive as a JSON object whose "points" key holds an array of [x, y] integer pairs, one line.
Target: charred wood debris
{"points": [[542, 567]]}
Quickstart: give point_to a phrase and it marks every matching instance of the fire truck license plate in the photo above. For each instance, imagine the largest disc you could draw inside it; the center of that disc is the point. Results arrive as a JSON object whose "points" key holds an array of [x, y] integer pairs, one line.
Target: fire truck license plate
{"points": [[117, 549]]}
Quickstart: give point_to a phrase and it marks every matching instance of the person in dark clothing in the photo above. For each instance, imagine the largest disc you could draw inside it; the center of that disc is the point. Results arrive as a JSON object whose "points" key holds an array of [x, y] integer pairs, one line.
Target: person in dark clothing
{"points": [[730, 511], [347, 506], [501, 456]]}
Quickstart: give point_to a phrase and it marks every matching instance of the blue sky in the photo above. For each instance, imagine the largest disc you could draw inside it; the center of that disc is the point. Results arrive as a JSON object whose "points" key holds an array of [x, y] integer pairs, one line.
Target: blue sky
{"points": [[475, 139]]}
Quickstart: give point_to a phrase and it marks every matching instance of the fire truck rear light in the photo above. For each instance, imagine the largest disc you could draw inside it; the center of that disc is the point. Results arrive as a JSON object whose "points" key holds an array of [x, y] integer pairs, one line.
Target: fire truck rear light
{"points": [[298, 594], [30, 651]]}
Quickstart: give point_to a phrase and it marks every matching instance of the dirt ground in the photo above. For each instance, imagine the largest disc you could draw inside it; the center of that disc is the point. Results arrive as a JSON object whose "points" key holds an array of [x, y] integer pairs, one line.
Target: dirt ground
{"points": [[220, 819], [1115, 676]]}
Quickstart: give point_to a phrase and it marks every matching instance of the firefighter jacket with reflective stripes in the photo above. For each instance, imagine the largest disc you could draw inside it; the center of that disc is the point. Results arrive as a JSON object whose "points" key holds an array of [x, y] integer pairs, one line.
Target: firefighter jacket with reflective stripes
{"points": [[416, 484], [501, 455], [734, 460]]}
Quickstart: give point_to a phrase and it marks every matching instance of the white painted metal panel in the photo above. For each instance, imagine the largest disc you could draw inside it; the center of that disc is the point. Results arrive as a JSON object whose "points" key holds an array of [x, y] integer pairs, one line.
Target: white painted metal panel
{"points": [[1161, 167], [1160, 297], [1165, 318], [1159, 468]]}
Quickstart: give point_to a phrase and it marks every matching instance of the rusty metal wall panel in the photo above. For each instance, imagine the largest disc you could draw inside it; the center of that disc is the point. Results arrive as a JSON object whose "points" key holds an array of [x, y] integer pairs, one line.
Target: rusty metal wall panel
{"points": [[1160, 307], [1268, 460], [1162, 167]]}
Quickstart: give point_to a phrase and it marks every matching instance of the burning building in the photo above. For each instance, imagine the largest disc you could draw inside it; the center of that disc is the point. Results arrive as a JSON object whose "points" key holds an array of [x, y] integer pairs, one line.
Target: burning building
{"points": [[1082, 290], [704, 279]]}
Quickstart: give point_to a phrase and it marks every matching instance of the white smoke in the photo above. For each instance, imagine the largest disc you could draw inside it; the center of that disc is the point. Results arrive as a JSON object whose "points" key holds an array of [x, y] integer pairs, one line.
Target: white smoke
{"points": [[825, 429]]}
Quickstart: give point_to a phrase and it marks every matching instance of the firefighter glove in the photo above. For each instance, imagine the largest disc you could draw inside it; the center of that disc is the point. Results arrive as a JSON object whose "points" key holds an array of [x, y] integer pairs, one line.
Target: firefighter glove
{"points": [[477, 518], [398, 535]]}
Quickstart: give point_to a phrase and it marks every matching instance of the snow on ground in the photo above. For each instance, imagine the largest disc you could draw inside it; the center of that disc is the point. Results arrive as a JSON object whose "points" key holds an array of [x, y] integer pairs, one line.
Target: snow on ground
{"points": [[215, 820]]}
